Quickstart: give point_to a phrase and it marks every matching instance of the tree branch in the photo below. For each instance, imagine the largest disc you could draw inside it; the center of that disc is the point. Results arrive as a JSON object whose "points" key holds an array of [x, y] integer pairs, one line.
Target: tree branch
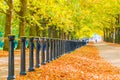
{"points": [[2, 11]]}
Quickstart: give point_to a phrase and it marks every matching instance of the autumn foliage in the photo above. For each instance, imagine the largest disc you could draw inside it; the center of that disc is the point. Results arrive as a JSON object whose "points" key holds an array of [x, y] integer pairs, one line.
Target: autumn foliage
{"points": [[82, 64]]}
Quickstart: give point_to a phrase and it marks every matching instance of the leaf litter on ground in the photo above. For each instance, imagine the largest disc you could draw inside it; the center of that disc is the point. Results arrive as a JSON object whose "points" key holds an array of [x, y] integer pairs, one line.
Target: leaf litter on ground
{"points": [[82, 64]]}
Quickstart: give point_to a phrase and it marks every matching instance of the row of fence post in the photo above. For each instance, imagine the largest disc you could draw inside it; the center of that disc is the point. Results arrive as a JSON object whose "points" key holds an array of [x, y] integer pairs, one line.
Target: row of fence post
{"points": [[50, 48]]}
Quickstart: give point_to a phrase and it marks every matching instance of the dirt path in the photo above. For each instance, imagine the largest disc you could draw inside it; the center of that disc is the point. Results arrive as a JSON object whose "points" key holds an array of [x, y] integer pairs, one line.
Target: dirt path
{"points": [[110, 53]]}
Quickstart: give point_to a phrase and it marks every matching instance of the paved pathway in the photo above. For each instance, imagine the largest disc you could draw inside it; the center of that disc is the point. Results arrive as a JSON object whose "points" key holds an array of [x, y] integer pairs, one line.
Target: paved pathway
{"points": [[110, 53], [4, 66]]}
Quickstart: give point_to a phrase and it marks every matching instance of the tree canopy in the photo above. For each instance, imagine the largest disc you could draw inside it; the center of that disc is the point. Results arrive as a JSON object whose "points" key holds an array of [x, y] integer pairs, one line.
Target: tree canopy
{"points": [[79, 18]]}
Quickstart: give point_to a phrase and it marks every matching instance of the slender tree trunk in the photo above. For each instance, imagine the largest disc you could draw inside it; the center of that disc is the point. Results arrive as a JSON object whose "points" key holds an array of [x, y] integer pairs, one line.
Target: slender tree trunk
{"points": [[61, 34], [104, 31], [8, 23], [22, 15], [118, 34], [22, 23], [32, 30], [37, 31], [44, 31]]}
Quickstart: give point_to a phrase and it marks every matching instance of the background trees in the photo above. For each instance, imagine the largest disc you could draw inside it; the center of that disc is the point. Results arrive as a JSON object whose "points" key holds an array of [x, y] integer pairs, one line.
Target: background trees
{"points": [[67, 18]]}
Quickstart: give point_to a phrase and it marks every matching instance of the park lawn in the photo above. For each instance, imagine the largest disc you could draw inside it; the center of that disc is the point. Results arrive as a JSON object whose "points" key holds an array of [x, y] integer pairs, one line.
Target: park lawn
{"points": [[82, 64]]}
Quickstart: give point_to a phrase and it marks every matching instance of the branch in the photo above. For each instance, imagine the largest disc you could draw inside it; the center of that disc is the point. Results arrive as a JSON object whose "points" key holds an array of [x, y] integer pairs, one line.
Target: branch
{"points": [[17, 12], [2, 11]]}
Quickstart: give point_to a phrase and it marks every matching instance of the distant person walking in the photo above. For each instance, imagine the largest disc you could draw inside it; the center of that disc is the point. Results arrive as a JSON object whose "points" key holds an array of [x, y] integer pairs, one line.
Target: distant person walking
{"points": [[95, 40]]}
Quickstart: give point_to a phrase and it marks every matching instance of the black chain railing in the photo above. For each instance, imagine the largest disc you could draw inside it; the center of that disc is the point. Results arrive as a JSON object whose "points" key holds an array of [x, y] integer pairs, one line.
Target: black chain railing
{"points": [[50, 49]]}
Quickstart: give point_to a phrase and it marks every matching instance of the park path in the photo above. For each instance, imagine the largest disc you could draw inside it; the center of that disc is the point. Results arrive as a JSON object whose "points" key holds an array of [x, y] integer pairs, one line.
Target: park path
{"points": [[4, 66], [109, 53]]}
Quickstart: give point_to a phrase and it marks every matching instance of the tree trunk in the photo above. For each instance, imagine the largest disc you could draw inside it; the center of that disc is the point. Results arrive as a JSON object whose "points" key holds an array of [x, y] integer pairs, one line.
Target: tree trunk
{"points": [[44, 31], [104, 34], [61, 34], [22, 23], [118, 34], [8, 23], [32, 30], [37, 30]]}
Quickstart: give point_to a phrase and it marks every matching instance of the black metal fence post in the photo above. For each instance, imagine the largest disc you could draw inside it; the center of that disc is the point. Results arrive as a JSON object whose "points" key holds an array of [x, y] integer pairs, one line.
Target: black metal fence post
{"points": [[37, 53], [11, 58], [58, 48], [51, 49], [31, 60], [55, 48], [48, 50], [43, 51], [23, 61], [61, 48], [64, 46]]}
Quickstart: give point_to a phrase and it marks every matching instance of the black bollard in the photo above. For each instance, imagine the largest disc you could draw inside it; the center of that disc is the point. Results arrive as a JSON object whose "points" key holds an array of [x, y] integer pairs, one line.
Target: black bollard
{"points": [[60, 48], [66, 47], [57, 48], [37, 53], [23, 66], [51, 48], [54, 48], [63, 47], [43, 51], [11, 58], [31, 60], [48, 50]]}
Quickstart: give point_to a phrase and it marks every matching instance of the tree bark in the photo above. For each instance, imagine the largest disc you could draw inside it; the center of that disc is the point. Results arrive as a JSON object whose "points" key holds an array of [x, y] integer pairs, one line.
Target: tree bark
{"points": [[8, 23], [22, 15], [37, 30], [32, 30]]}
